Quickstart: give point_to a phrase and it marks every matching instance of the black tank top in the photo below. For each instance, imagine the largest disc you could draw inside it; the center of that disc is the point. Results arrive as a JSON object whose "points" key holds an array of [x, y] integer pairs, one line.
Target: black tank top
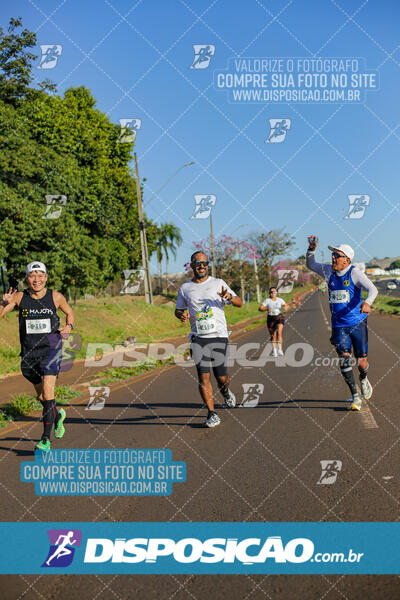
{"points": [[38, 324]]}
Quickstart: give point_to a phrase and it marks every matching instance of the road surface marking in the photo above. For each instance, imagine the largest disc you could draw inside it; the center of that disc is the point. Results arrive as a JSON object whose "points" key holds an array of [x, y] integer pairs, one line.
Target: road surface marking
{"points": [[367, 417]]}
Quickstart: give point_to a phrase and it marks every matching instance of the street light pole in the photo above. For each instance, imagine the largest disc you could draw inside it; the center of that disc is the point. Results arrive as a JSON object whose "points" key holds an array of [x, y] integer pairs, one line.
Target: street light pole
{"points": [[213, 269], [241, 272], [143, 240], [168, 180]]}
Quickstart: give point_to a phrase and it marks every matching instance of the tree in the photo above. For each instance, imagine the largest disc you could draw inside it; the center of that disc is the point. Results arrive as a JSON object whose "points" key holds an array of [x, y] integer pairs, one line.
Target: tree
{"points": [[161, 242], [173, 241], [54, 145], [16, 62], [395, 264], [168, 239], [269, 246]]}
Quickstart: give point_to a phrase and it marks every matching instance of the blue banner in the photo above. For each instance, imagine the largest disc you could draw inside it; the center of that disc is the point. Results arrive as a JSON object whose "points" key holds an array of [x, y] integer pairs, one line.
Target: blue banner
{"points": [[209, 548]]}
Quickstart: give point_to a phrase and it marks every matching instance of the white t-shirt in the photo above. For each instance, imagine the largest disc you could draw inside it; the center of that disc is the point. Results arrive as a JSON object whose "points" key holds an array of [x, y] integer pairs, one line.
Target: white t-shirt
{"points": [[274, 305], [206, 308]]}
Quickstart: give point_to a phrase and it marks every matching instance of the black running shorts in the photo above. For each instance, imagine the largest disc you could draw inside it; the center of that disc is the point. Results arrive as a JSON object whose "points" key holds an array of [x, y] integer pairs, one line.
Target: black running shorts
{"points": [[35, 367], [207, 353], [273, 321]]}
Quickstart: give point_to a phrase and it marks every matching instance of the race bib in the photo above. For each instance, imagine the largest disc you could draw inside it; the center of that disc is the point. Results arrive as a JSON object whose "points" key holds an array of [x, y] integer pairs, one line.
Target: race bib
{"points": [[339, 296], [205, 321], [275, 312], [38, 326]]}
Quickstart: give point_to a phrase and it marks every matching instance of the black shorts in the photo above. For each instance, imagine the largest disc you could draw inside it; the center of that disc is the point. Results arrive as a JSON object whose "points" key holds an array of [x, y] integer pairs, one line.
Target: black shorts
{"points": [[207, 353], [273, 321], [35, 367]]}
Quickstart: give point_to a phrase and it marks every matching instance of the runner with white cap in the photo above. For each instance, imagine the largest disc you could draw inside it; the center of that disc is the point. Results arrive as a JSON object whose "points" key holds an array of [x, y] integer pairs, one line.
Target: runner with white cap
{"points": [[349, 313], [41, 342]]}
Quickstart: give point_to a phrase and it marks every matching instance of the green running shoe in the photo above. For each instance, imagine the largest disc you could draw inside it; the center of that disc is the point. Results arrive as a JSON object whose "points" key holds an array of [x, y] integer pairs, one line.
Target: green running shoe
{"points": [[59, 429], [44, 445]]}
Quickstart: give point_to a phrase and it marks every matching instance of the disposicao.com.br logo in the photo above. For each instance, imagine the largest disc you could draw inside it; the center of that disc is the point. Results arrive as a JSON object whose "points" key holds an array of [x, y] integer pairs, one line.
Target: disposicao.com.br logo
{"points": [[247, 551]]}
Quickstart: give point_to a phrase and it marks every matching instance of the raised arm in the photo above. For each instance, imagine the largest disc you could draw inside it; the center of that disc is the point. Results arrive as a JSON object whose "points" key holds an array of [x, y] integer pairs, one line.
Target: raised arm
{"points": [[10, 301], [322, 269]]}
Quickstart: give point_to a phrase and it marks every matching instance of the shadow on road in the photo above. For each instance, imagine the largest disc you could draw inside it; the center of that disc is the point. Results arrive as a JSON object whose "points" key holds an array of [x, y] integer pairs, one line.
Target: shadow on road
{"points": [[19, 451]]}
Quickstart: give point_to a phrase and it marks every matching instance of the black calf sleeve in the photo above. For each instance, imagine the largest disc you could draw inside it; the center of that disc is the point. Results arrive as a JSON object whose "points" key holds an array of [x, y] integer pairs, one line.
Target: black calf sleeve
{"points": [[50, 414], [347, 371]]}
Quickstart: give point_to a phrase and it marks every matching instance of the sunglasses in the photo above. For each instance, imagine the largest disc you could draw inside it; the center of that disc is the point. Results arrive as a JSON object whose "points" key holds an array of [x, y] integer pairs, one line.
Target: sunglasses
{"points": [[199, 263], [337, 255]]}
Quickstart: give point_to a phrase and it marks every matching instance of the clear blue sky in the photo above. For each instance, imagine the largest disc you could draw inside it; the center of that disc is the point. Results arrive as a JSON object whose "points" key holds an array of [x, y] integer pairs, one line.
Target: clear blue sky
{"points": [[135, 56]]}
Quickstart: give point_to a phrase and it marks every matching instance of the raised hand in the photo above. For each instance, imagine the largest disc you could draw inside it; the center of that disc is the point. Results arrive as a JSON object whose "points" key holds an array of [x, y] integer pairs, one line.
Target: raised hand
{"points": [[224, 294], [7, 298], [312, 242]]}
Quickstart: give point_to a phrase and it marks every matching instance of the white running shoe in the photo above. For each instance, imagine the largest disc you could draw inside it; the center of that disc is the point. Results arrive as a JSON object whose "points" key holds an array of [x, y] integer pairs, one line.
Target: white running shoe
{"points": [[280, 352], [274, 353], [212, 420], [356, 404], [366, 388], [230, 400]]}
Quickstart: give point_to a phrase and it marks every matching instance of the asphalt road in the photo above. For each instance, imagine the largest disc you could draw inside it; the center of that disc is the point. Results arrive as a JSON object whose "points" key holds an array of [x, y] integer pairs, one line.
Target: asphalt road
{"points": [[261, 464], [381, 285]]}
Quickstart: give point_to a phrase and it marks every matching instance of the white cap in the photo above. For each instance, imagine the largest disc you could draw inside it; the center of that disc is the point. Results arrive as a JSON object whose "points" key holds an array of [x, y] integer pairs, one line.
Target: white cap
{"points": [[345, 248], [35, 266]]}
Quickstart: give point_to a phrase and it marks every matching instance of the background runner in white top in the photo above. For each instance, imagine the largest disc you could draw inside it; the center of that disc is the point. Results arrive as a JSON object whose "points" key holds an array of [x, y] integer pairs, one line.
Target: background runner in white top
{"points": [[274, 307]]}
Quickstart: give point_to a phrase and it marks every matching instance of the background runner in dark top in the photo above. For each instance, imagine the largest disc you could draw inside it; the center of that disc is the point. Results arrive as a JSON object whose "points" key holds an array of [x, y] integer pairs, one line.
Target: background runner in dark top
{"points": [[41, 342]]}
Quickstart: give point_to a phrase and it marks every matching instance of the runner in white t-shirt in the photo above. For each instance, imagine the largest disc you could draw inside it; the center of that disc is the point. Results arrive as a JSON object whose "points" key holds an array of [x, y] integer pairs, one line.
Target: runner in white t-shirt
{"points": [[275, 319], [205, 297]]}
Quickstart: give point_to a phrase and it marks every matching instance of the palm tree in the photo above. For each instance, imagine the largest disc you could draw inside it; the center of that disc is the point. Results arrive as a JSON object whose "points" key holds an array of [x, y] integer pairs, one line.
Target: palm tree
{"points": [[173, 239], [161, 242]]}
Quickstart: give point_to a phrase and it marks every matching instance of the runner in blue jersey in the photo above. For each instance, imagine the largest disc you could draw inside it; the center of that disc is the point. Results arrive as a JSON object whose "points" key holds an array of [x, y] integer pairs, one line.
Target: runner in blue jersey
{"points": [[349, 313]]}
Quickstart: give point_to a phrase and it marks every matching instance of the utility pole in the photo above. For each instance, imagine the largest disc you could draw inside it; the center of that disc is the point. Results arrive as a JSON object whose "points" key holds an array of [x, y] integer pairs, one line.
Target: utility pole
{"points": [[241, 272], [213, 270], [143, 240], [257, 280]]}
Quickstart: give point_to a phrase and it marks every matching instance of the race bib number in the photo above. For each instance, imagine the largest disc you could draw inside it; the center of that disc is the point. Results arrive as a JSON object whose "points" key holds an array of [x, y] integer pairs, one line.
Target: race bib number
{"points": [[205, 321], [38, 326], [339, 296]]}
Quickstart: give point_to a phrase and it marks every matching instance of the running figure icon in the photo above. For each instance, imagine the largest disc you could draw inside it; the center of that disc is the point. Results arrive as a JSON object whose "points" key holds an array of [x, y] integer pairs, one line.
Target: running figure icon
{"points": [[62, 549]]}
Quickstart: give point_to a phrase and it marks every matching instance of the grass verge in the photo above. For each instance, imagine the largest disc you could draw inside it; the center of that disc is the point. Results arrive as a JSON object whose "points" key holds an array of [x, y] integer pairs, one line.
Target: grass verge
{"points": [[142, 366], [387, 305], [25, 404]]}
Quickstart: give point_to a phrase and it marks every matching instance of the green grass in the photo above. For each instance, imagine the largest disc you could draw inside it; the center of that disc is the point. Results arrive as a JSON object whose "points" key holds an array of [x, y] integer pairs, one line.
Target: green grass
{"points": [[64, 393], [25, 404], [387, 305], [141, 366], [22, 404], [4, 419]]}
